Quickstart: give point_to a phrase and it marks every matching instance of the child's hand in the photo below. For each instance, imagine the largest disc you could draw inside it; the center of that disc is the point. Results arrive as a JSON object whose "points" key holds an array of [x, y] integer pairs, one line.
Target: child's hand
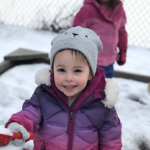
{"points": [[121, 58], [16, 127]]}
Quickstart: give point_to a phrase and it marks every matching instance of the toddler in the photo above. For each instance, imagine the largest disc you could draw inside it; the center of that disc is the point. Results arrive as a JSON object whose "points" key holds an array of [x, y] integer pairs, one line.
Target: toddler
{"points": [[73, 106]]}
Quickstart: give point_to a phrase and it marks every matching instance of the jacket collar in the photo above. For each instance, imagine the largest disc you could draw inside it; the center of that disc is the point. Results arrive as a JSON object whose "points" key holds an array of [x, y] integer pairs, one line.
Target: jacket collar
{"points": [[97, 85]]}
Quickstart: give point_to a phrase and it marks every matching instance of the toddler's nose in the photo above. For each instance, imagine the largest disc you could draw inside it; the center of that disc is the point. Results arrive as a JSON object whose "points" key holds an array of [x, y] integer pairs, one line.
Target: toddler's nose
{"points": [[69, 77]]}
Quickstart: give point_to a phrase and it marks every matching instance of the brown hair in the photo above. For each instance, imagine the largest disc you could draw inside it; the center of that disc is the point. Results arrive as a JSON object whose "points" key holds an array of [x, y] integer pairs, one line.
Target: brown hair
{"points": [[113, 3], [78, 55]]}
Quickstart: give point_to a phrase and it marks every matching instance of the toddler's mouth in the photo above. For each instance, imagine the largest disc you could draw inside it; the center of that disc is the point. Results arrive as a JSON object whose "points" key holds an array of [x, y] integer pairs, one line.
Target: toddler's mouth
{"points": [[69, 86]]}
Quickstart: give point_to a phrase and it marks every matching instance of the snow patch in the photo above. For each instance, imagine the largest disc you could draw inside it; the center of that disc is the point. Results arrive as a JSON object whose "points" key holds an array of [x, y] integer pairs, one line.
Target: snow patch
{"points": [[5, 131]]}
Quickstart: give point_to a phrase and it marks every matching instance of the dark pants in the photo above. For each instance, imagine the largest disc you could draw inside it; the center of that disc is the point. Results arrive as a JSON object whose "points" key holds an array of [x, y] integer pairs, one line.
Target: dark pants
{"points": [[109, 70]]}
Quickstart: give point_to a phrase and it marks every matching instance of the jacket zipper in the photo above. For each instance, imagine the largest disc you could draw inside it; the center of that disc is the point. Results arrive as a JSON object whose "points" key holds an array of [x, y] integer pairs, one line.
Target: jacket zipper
{"points": [[70, 130], [71, 115], [43, 147]]}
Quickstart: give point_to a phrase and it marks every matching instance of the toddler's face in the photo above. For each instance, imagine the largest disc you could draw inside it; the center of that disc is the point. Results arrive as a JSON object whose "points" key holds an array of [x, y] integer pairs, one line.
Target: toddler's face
{"points": [[70, 75]]}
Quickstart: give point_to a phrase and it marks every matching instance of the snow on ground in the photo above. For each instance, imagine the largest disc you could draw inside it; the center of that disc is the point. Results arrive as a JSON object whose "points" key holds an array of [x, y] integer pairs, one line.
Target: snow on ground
{"points": [[17, 84], [134, 108], [12, 38], [138, 61]]}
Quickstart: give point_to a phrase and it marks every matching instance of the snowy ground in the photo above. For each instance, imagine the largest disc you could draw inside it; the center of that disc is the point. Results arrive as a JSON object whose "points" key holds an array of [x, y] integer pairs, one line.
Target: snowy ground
{"points": [[17, 84]]}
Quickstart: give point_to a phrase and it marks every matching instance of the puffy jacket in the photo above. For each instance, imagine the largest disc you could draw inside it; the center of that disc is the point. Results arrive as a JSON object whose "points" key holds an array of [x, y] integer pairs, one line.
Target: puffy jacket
{"points": [[86, 125], [110, 28]]}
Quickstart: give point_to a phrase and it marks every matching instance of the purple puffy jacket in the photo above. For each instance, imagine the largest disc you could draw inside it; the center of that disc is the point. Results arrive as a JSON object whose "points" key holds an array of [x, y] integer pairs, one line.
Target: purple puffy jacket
{"points": [[86, 125]]}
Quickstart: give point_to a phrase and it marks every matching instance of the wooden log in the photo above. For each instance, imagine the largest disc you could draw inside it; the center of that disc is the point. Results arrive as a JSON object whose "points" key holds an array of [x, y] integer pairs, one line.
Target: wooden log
{"points": [[5, 65], [133, 76], [22, 54]]}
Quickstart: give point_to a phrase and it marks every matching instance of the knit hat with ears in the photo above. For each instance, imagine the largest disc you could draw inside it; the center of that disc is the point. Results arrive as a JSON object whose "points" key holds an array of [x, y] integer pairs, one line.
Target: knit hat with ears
{"points": [[81, 39]]}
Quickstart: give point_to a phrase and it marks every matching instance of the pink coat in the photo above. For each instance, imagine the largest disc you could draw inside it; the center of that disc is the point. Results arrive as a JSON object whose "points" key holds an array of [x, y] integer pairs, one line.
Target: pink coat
{"points": [[109, 26]]}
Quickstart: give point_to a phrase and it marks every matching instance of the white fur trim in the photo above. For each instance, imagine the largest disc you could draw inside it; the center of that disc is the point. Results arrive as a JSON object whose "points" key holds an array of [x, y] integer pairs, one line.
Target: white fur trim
{"points": [[111, 90], [112, 93], [43, 77]]}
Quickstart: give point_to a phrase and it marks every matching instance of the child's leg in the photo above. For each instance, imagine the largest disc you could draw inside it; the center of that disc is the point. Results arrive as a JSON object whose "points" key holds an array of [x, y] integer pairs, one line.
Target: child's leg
{"points": [[109, 70]]}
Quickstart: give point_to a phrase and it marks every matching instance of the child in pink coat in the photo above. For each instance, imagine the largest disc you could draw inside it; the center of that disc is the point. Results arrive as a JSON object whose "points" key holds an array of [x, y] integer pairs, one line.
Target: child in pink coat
{"points": [[107, 18]]}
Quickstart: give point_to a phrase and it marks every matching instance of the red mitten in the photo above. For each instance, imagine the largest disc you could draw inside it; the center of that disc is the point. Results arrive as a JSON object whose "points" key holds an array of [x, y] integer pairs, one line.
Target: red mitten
{"points": [[121, 57]]}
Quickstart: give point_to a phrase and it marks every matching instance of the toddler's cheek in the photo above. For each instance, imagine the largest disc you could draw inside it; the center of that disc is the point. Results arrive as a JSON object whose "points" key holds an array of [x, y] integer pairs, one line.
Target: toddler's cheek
{"points": [[82, 81], [58, 80]]}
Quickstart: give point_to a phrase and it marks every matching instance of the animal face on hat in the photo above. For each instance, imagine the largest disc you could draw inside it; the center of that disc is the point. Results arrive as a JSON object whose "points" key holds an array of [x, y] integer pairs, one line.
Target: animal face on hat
{"points": [[81, 39]]}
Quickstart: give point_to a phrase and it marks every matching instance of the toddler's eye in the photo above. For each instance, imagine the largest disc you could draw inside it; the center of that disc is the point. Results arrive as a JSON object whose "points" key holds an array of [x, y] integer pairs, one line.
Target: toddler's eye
{"points": [[61, 70], [77, 71]]}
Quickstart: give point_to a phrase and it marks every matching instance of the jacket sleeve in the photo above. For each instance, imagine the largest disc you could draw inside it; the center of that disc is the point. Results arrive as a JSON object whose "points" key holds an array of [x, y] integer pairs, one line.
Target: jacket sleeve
{"points": [[123, 37], [82, 17], [30, 115], [110, 132], [123, 40]]}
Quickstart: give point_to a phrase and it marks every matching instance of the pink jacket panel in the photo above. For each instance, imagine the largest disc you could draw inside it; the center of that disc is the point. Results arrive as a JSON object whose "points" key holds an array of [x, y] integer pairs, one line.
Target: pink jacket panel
{"points": [[110, 28]]}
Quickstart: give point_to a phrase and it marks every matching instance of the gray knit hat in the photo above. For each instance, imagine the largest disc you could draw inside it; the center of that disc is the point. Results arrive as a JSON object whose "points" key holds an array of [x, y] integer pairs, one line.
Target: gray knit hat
{"points": [[81, 39]]}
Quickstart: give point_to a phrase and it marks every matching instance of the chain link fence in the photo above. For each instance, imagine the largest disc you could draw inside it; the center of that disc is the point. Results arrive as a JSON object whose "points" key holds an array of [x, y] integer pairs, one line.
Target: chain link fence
{"points": [[138, 22], [58, 14]]}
